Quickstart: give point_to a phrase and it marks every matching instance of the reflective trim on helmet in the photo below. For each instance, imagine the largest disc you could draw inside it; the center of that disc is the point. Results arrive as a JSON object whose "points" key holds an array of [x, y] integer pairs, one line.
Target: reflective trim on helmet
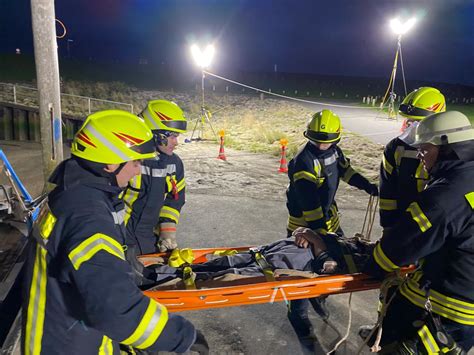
{"points": [[105, 142], [321, 137]]}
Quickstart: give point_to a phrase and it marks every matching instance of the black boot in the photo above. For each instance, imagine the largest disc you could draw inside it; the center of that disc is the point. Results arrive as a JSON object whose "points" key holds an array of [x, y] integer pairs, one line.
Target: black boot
{"points": [[320, 307]]}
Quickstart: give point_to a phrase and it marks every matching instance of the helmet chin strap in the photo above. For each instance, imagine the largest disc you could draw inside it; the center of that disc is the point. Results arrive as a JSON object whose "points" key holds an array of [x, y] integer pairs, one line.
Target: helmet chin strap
{"points": [[113, 174]]}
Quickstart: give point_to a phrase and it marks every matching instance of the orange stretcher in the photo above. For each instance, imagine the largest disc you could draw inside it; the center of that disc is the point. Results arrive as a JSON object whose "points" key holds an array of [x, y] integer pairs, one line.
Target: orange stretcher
{"points": [[263, 292]]}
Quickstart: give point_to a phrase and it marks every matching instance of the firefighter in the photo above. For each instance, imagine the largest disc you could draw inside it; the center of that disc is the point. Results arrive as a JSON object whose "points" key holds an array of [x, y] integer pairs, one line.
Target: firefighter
{"points": [[433, 309], [80, 294], [314, 175], [402, 175], [154, 199]]}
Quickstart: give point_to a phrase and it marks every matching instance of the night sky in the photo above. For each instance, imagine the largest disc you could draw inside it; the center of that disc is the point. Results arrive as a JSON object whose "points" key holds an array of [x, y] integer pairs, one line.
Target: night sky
{"points": [[338, 37]]}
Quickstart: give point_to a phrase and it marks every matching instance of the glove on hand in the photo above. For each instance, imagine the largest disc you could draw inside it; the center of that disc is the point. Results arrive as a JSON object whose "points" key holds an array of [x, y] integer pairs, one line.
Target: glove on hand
{"points": [[167, 237], [200, 345], [372, 190]]}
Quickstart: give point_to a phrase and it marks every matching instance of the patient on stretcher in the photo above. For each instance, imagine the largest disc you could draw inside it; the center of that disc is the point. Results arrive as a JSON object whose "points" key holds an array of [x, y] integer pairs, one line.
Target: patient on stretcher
{"points": [[305, 254]]}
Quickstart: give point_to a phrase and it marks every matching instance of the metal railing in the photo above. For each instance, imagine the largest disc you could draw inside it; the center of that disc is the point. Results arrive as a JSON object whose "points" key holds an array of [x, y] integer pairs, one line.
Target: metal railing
{"points": [[71, 104]]}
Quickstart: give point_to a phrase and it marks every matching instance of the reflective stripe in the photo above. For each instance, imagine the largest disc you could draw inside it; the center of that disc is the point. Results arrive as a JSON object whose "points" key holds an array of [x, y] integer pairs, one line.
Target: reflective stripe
{"points": [[313, 215], [131, 195], [330, 160], [150, 118], [428, 341], [382, 260], [170, 169], [387, 204], [419, 217], [119, 216], [150, 327], [421, 176], [169, 212], [92, 245], [107, 347], [333, 223], [448, 307], [470, 199], [181, 185], [317, 167], [386, 165], [304, 175], [36, 304], [348, 174], [105, 142], [401, 152], [47, 224]]}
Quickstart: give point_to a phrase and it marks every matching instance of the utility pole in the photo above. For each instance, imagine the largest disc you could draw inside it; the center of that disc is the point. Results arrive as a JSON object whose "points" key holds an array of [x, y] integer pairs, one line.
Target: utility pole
{"points": [[47, 76]]}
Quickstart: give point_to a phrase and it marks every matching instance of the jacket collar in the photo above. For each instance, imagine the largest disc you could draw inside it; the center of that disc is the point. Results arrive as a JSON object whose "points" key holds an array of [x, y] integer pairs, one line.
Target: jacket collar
{"points": [[447, 167], [321, 153]]}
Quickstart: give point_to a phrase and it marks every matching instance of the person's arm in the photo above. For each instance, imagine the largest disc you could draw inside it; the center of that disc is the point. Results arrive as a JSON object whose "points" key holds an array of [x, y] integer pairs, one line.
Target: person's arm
{"points": [[389, 211], [352, 177], [171, 210], [112, 303]]}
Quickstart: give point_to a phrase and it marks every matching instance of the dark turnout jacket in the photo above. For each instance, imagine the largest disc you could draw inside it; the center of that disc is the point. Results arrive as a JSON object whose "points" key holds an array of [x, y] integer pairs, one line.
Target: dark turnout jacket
{"points": [[436, 230], [80, 296]]}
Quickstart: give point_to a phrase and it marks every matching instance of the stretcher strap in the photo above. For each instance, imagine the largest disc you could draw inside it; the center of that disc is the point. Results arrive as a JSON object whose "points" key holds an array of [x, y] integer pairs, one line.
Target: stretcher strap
{"points": [[264, 265]]}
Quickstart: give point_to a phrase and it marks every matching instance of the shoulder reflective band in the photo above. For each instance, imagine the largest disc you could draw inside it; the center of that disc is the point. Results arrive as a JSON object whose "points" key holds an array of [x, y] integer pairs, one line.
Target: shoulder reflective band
{"points": [[428, 340], [382, 260], [304, 175], [386, 165], [387, 204], [149, 328], [419, 217], [470, 199], [313, 215], [91, 246]]}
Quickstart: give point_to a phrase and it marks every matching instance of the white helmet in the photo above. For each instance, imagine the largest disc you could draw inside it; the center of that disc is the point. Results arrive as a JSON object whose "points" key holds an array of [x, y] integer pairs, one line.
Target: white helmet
{"points": [[444, 128]]}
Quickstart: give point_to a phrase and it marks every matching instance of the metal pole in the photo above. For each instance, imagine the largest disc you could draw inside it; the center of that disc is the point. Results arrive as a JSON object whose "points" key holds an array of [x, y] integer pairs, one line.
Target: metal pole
{"points": [[14, 94], [202, 88], [47, 74], [391, 105]]}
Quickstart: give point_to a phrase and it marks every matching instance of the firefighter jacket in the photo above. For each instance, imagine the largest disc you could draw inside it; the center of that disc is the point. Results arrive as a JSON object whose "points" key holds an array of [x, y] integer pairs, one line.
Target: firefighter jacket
{"points": [[314, 178], [156, 196], [80, 296], [402, 177], [436, 230]]}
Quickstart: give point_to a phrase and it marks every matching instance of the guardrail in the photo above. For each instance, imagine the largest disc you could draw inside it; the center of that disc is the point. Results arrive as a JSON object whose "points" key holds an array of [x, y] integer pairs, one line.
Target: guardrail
{"points": [[70, 104]]}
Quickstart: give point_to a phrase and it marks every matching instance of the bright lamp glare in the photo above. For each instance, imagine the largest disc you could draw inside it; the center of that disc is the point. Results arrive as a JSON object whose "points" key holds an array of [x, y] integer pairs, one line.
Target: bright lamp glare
{"points": [[203, 58], [400, 28]]}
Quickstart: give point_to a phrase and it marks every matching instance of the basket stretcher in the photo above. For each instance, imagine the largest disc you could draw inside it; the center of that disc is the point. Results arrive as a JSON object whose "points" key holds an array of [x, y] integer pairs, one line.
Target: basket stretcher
{"points": [[262, 292]]}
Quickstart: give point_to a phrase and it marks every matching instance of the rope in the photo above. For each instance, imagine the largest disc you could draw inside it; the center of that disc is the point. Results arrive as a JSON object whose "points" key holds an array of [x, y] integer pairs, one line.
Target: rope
{"points": [[403, 70], [349, 323], [369, 219], [64, 29], [284, 96], [390, 83]]}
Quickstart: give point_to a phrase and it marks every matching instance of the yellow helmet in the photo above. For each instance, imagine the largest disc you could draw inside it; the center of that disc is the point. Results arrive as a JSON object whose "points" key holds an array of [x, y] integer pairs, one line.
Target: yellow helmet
{"points": [[164, 115], [422, 102], [324, 127], [113, 137]]}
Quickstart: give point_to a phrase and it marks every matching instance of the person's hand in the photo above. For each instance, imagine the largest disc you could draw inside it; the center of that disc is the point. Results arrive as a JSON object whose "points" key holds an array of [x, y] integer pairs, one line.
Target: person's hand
{"points": [[303, 237], [200, 344], [372, 190]]}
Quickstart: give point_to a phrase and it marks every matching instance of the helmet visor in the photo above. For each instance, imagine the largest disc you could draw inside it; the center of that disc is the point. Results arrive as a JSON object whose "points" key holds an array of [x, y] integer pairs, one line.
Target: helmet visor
{"points": [[322, 137], [180, 125], [145, 148], [411, 110]]}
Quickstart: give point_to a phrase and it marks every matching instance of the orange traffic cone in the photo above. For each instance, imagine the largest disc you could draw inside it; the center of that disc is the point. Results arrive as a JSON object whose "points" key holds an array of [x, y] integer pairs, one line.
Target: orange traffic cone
{"points": [[221, 155], [283, 163]]}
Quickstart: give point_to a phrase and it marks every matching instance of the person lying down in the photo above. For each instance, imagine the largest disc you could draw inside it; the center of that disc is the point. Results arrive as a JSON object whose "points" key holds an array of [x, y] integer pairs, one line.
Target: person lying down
{"points": [[305, 254]]}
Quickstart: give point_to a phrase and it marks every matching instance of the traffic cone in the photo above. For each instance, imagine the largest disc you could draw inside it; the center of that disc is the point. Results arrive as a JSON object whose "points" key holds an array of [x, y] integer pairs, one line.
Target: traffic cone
{"points": [[283, 163], [221, 155]]}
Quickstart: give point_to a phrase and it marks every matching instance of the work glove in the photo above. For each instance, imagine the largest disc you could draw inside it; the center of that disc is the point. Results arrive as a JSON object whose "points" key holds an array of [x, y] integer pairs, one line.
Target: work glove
{"points": [[200, 344], [372, 189], [167, 236]]}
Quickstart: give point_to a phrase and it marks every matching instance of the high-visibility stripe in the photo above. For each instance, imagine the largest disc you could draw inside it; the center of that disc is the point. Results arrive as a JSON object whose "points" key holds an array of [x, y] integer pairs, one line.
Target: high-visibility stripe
{"points": [[382, 260], [170, 169], [401, 152], [419, 217], [91, 246], [333, 223], [170, 212], [330, 160], [448, 307], [150, 118], [470, 199], [181, 185], [36, 304], [421, 176], [304, 175], [313, 215], [47, 224], [386, 165], [107, 347], [317, 167], [387, 204], [295, 222], [106, 142], [428, 341], [348, 174], [119, 216], [131, 195], [149, 328]]}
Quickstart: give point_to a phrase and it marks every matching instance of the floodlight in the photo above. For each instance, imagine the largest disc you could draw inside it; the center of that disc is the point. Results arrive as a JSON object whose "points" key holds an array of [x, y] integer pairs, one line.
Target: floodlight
{"points": [[400, 28], [203, 58]]}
